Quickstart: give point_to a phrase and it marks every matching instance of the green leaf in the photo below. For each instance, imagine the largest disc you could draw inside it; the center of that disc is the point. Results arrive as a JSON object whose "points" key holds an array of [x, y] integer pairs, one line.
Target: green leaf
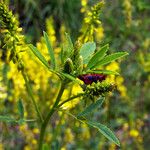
{"points": [[7, 119], [105, 131], [87, 50], [103, 72], [91, 107], [39, 55], [50, 50], [98, 56], [69, 41], [110, 58], [70, 77], [21, 109], [67, 47]]}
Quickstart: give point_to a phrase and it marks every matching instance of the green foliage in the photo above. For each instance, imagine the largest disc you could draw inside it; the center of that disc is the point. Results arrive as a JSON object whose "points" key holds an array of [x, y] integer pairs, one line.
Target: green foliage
{"points": [[50, 50], [68, 49], [105, 131], [21, 109], [87, 50], [98, 56], [91, 107], [7, 119], [39, 55], [107, 72], [125, 25], [110, 58]]}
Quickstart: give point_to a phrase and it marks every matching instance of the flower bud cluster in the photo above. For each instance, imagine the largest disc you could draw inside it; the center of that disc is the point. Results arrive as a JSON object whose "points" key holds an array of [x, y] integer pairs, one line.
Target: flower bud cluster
{"points": [[97, 89], [12, 39], [91, 21]]}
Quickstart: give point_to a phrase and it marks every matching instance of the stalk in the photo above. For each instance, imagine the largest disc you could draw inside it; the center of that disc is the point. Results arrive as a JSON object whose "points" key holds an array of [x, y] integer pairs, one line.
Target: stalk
{"points": [[29, 90], [70, 99], [52, 110]]}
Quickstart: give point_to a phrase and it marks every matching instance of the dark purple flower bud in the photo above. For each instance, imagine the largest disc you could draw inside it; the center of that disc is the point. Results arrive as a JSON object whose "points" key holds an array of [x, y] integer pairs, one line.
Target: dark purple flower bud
{"points": [[90, 78]]}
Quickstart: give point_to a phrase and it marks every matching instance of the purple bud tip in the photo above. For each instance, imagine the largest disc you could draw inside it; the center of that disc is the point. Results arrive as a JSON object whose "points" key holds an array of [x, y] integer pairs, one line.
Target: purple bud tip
{"points": [[90, 78]]}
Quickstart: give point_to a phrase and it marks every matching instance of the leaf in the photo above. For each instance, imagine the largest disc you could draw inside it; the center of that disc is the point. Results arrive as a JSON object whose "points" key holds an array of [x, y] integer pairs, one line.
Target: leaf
{"points": [[98, 56], [87, 50], [39, 55], [7, 119], [70, 77], [67, 47], [91, 107], [21, 109], [50, 50], [110, 58], [107, 72], [105, 131], [70, 44]]}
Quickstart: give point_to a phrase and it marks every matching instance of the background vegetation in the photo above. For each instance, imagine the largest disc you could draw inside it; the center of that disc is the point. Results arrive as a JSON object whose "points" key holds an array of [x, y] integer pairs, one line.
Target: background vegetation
{"points": [[124, 24]]}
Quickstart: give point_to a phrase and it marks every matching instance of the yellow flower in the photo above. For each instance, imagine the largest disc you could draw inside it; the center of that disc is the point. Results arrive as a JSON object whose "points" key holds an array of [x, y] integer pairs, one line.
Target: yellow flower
{"points": [[134, 133], [84, 2], [27, 147], [69, 137], [99, 32], [63, 148], [36, 131], [85, 133], [34, 141], [84, 5], [127, 12], [112, 147]]}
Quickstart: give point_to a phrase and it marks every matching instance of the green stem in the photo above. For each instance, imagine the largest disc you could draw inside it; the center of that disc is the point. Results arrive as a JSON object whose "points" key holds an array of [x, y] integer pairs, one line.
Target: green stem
{"points": [[29, 90], [69, 99], [52, 110]]}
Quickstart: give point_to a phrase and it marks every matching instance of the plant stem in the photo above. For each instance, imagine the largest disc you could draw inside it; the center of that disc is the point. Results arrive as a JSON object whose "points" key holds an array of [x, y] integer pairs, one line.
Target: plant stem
{"points": [[52, 110], [29, 90], [69, 99]]}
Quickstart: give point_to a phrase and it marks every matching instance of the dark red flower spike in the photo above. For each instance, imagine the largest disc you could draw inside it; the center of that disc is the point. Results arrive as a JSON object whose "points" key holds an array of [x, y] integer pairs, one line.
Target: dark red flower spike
{"points": [[90, 78]]}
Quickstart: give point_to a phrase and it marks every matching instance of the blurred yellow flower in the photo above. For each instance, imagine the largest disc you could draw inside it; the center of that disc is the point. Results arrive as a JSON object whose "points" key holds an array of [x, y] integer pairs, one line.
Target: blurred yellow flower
{"points": [[34, 141], [36, 131], [63, 148], [127, 12], [27, 147], [134, 133], [99, 33], [83, 5], [85, 132], [69, 137], [1, 146], [112, 147]]}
